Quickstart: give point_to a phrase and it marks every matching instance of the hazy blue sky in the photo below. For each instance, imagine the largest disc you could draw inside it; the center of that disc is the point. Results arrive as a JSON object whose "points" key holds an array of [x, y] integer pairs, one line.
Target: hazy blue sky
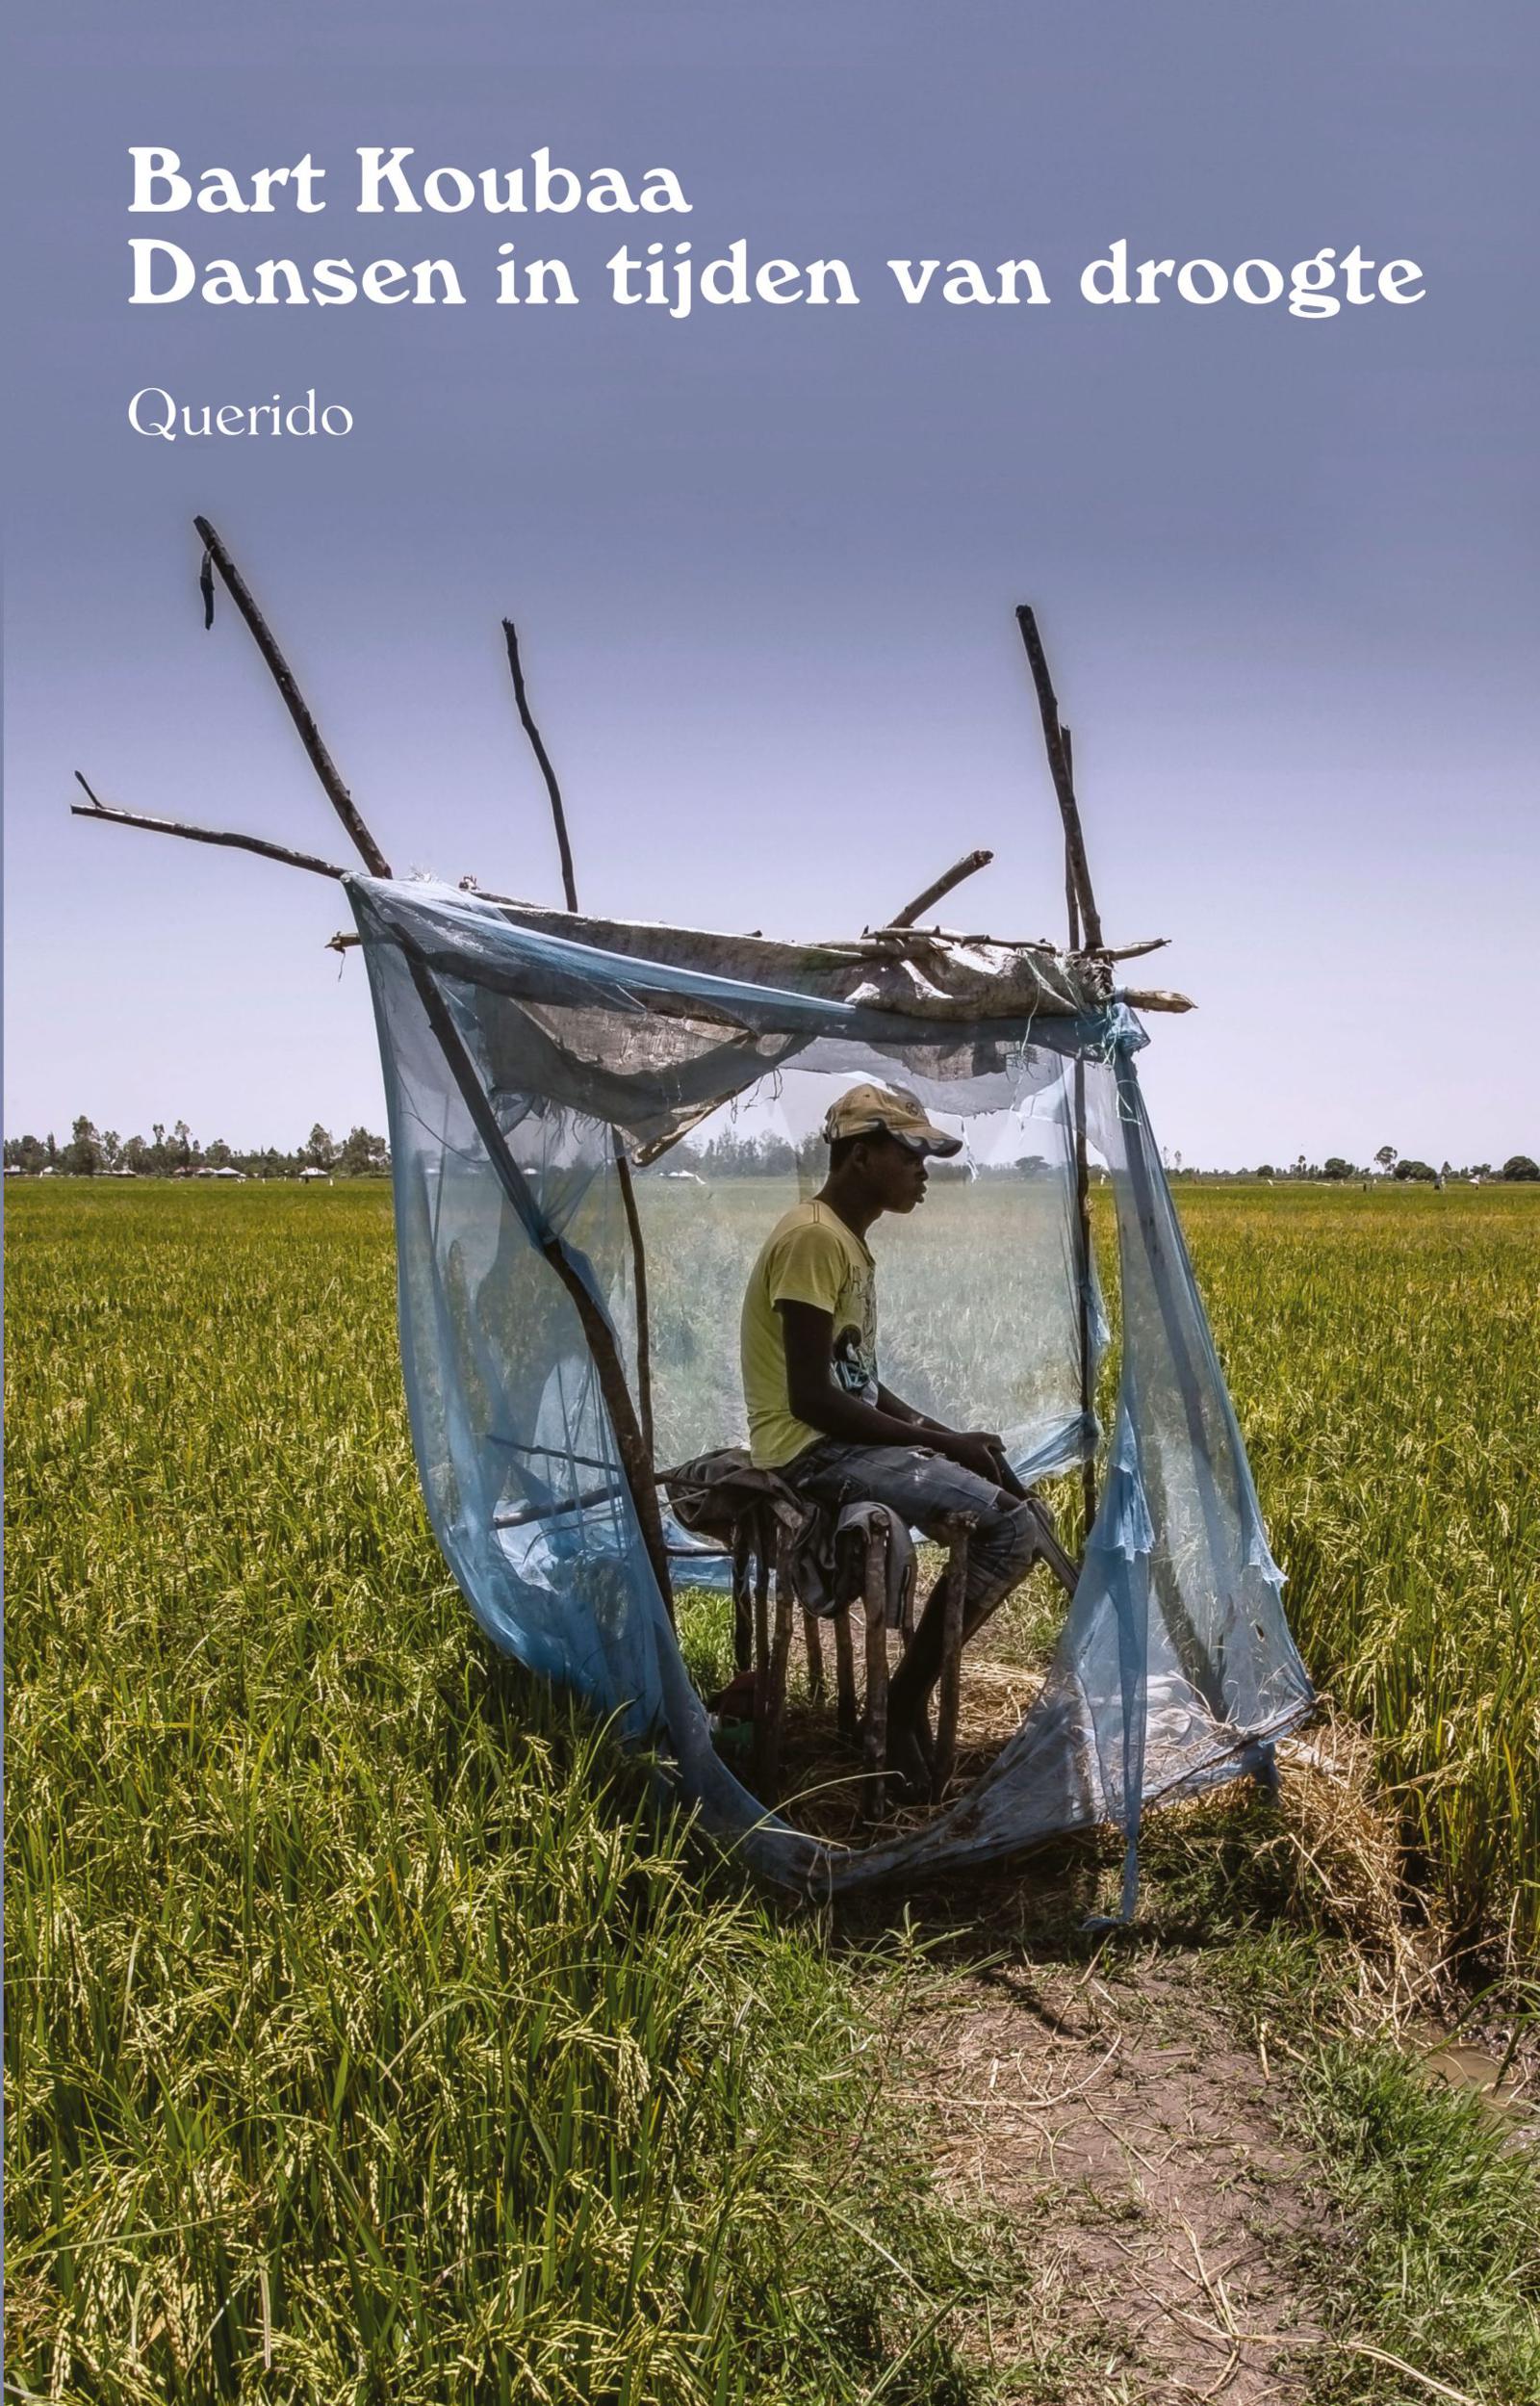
{"points": [[764, 559]]}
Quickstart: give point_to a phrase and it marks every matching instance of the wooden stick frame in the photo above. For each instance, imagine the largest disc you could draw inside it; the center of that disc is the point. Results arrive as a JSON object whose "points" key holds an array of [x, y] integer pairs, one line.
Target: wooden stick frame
{"points": [[637, 1464], [622, 1168], [968, 866], [633, 1445], [559, 813], [202, 834], [1085, 1242], [1062, 781], [632, 1422], [283, 677]]}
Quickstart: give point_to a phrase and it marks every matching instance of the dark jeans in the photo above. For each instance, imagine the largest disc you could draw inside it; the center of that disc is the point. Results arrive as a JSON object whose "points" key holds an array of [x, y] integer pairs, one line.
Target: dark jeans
{"points": [[923, 1488]]}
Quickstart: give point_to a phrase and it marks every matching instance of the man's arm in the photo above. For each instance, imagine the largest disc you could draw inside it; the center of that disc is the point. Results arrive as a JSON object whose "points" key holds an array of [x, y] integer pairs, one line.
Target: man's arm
{"points": [[934, 1432], [814, 1396], [899, 1411]]}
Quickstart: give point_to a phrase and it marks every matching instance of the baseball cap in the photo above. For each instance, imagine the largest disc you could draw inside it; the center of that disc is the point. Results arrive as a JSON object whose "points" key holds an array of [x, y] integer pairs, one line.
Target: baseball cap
{"points": [[865, 1109]]}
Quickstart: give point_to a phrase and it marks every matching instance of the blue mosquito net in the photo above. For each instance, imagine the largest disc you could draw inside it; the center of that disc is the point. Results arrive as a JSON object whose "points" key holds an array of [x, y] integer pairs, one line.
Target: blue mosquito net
{"points": [[518, 1062]]}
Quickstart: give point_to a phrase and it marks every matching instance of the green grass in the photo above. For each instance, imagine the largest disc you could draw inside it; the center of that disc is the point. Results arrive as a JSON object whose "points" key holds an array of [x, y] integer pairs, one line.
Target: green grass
{"points": [[372, 2034], [1384, 1352], [1436, 2256], [1427, 2251], [366, 2017]]}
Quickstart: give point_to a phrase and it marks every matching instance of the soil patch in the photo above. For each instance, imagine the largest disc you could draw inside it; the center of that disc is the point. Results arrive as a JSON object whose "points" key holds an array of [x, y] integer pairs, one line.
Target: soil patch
{"points": [[1121, 2134]]}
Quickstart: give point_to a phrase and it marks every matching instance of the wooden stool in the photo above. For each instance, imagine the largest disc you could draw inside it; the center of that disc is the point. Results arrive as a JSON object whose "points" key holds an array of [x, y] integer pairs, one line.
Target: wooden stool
{"points": [[762, 1642], [760, 1545]]}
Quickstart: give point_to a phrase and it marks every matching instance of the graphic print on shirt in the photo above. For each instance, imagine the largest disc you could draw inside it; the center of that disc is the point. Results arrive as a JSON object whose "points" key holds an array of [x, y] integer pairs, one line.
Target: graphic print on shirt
{"points": [[854, 1370]]}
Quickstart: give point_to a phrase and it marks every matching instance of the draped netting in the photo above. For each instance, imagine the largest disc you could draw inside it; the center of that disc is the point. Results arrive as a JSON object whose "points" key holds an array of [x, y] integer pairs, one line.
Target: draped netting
{"points": [[517, 1061]]}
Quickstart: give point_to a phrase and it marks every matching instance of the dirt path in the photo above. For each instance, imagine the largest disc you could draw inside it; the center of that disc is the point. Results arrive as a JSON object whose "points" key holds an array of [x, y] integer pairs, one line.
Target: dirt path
{"points": [[1125, 2139]]}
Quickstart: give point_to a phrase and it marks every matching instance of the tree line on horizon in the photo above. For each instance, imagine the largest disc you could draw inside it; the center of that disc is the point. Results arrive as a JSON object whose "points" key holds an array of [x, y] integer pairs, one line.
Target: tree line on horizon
{"points": [[767, 1155], [91, 1152], [176, 1153], [1518, 1168]]}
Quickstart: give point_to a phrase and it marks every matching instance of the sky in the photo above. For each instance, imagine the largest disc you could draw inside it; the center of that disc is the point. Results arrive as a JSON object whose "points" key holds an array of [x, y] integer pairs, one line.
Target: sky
{"points": [[764, 559]]}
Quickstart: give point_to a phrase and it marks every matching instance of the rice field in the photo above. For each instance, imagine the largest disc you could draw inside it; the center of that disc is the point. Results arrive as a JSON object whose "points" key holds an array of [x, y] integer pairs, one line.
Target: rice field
{"points": [[368, 2036], [1384, 1352]]}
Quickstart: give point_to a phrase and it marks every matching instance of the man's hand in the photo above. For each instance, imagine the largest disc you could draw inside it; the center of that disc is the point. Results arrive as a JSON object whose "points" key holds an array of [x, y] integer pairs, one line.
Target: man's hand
{"points": [[980, 1451]]}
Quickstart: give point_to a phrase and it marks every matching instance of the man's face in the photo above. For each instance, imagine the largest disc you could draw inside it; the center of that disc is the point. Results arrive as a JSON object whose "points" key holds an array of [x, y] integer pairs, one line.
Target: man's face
{"points": [[897, 1176]]}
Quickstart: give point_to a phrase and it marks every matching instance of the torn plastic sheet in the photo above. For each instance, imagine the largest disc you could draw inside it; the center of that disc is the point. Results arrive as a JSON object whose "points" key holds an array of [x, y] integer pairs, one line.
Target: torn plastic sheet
{"points": [[1174, 1665]]}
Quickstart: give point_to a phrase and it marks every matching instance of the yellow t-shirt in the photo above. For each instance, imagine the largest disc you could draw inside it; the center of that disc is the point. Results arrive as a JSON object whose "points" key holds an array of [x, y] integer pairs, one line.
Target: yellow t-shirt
{"points": [[810, 1257]]}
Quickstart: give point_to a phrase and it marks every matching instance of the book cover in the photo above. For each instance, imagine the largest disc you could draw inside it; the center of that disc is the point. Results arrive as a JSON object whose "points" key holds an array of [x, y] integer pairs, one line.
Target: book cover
{"points": [[637, 641]]}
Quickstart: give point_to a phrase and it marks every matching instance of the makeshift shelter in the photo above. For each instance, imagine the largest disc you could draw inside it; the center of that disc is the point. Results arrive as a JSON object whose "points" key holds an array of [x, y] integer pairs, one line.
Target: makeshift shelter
{"points": [[538, 1065]]}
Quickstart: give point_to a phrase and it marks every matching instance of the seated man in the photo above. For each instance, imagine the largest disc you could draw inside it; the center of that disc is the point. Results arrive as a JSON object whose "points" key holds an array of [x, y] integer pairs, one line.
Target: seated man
{"points": [[818, 1413]]}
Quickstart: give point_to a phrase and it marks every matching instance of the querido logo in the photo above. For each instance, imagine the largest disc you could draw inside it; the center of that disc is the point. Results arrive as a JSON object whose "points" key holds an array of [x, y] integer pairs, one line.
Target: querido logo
{"points": [[158, 414]]}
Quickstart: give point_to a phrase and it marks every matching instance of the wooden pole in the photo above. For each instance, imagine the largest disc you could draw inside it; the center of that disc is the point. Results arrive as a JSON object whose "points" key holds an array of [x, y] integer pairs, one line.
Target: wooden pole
{"points": [[1071, 890], [635, 1458], [1133, 952], [569, 879], [622, 1168], [1156, 998], [283, 677], [1085, 1242], [1062, 780], [203, 835], [644, 1328], [970, 864]]}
